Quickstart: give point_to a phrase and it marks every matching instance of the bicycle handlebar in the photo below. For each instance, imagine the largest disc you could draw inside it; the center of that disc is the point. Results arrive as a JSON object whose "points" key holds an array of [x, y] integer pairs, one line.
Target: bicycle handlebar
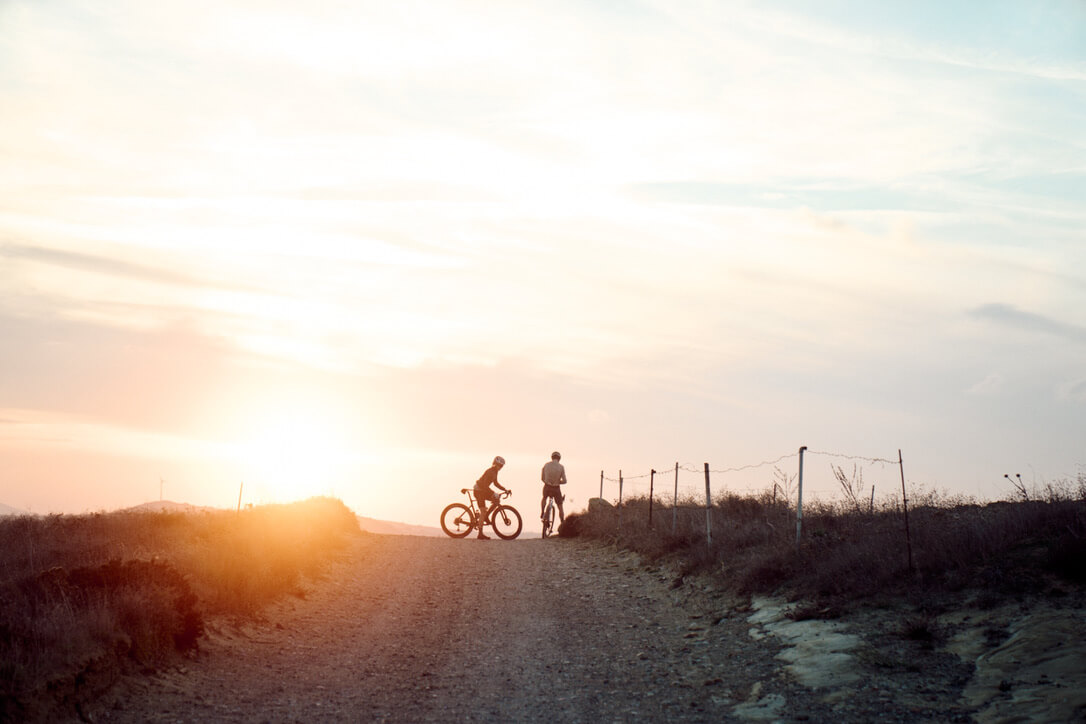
{"points": [[502, 494]]}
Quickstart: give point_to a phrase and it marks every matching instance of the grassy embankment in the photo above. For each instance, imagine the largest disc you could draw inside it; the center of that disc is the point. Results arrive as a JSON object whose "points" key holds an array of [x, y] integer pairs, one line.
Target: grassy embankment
{"points": [[84, 598], [854, 551]]}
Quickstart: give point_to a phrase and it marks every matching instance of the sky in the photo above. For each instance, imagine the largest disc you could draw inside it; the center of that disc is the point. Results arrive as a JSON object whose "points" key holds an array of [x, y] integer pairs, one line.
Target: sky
{"points": [[267, 250]]}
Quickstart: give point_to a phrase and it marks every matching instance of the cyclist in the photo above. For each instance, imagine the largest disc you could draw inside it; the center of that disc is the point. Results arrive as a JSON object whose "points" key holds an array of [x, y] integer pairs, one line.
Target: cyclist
{"points": [[554, 475], [483, 493]]}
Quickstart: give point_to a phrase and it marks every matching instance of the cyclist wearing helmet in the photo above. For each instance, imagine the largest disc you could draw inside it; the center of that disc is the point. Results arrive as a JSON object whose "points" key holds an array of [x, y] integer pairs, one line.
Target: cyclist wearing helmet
{"points": [[553, 476], [483, 493]]}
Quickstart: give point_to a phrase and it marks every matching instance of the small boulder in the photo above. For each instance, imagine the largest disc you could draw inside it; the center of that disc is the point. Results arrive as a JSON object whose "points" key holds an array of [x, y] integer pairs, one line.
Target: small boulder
{"points": [[599, 504]]}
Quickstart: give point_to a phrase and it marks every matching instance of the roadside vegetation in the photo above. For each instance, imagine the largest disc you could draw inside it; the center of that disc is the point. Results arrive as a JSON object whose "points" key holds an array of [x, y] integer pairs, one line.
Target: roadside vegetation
{"points": [[85, 598], [852, 550]]}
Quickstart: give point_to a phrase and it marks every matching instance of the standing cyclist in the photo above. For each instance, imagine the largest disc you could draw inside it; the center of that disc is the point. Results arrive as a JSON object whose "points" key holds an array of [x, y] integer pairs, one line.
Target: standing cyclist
{"points": [[483, 493], [553, 476]]}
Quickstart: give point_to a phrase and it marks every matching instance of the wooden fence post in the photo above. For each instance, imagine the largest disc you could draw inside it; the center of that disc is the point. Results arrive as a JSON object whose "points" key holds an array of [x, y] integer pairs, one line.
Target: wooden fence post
{"points": [[652, 478], [708, 511], [620, 499], [601, 485], [240, 488], [905, 506], [675, 502]]}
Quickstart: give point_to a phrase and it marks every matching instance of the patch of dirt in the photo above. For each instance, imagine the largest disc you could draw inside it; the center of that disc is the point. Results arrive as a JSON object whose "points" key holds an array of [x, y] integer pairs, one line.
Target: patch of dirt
{"points": [[410, 628]]}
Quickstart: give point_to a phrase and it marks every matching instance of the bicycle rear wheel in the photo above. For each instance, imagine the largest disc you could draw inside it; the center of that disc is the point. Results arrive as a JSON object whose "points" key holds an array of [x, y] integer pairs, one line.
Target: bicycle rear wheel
{"points": [[457, 520], [548, 519], [506, 521]]}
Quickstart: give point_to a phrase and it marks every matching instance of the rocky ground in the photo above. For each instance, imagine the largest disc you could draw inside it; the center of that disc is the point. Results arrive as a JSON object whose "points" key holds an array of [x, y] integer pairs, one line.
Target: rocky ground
{"points": [[411, 629]]}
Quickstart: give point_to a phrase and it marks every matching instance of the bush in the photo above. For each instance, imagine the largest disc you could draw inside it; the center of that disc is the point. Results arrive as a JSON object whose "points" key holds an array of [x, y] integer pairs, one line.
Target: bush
{"points": [[850, 550], [85, 598]]}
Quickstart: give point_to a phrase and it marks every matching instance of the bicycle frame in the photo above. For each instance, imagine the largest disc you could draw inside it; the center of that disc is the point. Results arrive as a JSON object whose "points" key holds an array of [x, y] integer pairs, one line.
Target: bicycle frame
{"points": [[473, 504], [548, 517], [458, 519]]}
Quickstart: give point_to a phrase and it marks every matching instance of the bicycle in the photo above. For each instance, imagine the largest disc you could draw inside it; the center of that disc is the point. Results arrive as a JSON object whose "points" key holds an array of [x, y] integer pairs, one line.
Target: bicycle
{"points": [[548, 518], [457, 520]]}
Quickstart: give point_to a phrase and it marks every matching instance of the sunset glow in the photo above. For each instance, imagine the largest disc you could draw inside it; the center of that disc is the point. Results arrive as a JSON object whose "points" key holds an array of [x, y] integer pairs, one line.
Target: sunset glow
{"points": [[362, 248], [294, 459]]}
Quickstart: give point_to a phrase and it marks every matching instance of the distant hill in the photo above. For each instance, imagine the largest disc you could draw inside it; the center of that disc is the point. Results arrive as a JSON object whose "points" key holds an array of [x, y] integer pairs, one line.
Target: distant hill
{"points": [[167, 506], [373, 525]]}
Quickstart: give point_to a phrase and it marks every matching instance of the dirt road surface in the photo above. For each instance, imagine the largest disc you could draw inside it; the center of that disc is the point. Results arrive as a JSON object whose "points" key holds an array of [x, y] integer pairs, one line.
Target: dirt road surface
{"points": [[416, 629], [413, 629]]}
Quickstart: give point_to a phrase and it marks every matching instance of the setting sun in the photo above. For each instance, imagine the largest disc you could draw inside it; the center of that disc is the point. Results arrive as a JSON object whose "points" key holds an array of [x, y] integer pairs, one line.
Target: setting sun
{"points": [[292, 459]]}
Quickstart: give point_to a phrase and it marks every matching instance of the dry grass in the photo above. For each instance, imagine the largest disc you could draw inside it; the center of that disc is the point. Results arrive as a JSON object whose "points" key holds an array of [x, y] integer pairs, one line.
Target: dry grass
{"points": [[852, 551], [84, 598]]}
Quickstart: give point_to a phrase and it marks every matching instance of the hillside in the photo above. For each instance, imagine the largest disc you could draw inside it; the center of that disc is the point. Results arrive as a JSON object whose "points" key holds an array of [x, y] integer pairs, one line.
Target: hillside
{"points": [[167, 506], [372, 525]]}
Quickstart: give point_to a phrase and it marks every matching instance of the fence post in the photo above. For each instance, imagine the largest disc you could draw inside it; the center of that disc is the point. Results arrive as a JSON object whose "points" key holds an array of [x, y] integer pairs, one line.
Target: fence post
{"points": [[652, 478], [799, 498], [675, 502], [601, 485], [240, 488], [620, 499], [708, 512], [905, 506]]}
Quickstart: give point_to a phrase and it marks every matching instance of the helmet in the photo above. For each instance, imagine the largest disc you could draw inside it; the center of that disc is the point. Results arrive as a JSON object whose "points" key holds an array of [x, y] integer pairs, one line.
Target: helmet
{"points": [[499, 460], [556, 455]]}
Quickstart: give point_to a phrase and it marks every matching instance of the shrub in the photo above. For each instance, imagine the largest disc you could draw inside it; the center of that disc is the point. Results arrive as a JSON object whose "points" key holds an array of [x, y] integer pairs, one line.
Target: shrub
{"points": [[853, 550], [83, 598]]}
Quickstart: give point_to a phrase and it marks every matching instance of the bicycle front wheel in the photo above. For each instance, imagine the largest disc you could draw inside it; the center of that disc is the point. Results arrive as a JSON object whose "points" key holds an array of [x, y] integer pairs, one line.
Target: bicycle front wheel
{"points": [[506, 521], [548, 520], [457, 520]]}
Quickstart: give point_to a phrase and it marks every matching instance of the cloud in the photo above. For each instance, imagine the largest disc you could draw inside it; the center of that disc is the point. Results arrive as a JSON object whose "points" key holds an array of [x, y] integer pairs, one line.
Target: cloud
{"points": [[1074, 390], [111, 266], [990, 385], [1009, 316]]}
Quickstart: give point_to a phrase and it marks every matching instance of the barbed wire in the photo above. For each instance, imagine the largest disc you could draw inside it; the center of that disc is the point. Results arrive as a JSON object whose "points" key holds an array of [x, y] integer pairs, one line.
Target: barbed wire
{"points": [[757, 465], [692, 467], [852, 457]]}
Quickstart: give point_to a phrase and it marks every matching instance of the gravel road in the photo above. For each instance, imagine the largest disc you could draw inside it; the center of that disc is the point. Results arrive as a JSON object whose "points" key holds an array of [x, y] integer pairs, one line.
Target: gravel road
{"points": [[414, 629], [417, 629]]}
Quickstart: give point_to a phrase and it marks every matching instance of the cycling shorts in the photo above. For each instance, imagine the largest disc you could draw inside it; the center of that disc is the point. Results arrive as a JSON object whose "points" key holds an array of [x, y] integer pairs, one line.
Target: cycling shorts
{"points": [[486, 494], [553, 491]]}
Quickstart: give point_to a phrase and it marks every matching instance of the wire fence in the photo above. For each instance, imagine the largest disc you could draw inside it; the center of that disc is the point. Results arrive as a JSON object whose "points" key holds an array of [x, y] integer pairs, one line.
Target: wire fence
{"points": [[683, 485], [685, 481]]}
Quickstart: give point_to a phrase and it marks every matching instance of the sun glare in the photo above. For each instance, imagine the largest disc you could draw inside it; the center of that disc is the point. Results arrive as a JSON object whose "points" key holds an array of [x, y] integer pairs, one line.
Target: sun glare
{"points": [[293, 459]]}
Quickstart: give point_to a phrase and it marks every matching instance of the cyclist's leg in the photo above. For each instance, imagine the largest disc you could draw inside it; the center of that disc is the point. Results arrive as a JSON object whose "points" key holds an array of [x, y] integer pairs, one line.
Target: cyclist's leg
{"points": [[481, 496], [543, 504], [561, 513]]}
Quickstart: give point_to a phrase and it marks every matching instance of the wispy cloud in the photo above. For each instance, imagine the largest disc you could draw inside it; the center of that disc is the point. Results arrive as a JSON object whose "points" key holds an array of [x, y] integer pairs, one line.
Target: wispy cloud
{"points": [[112, 266], [990, 385], [1009, 316], [1074, 390]]}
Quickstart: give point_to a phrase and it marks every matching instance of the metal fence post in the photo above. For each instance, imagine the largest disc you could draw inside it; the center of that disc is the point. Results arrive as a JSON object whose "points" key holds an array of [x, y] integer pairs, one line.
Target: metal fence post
{"points": [[905, 506], [799, 498]]}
